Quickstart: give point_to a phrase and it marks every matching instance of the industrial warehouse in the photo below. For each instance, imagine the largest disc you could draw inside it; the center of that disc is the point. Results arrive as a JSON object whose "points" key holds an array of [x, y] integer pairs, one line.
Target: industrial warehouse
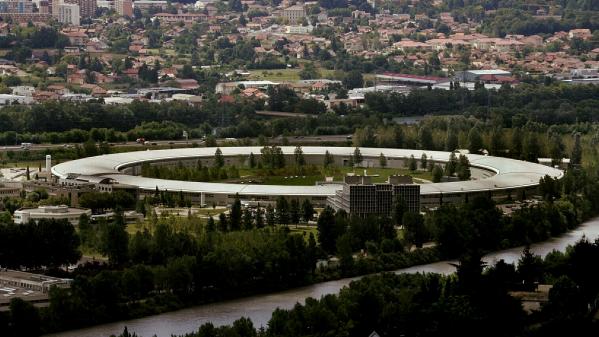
{"points": [[499, 178]]}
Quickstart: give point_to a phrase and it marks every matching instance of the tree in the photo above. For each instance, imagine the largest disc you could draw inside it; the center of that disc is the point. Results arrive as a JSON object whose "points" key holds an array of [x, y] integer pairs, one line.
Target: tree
{"points": [[412, 165], [516, 143], [24, 318], [219, 161], [353, 79], [223, 225], [496, 141], [235, 215], [576, 157], [566, 301], [415, 230], [242, 20], [423, 161], [248, 219], [252, 160], [328, 159], [282, 208], [475, 140], [451, 166], [530, 268], [437, 174], [463, 168], [259, 218], [357, 156], [556, 148], [210, 225], [294, 211], [365, 137], [89, 148], [327, 234], [345, 253], [235, 6], [298, 155], [531, 150], [270, 216], [425, 138], [309, 72], [307, 210], [382, 160], [115, 243]]}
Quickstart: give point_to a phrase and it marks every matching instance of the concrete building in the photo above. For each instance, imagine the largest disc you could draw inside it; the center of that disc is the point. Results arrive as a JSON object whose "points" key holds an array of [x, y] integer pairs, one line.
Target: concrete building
{"points": [[294, 14], [32, 288], [24, 215], [226, 88], [361, 197], [8, 99], [10, 189], [69, 14], [180, 17], [124, 7], [105, 4], [16, 6], [475, 75], [145, 5], [499, 178], [87, 8]]}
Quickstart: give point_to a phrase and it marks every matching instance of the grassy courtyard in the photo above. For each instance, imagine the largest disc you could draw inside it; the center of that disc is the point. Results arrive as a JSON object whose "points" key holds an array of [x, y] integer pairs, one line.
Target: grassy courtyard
{"points": [[315, 174]]}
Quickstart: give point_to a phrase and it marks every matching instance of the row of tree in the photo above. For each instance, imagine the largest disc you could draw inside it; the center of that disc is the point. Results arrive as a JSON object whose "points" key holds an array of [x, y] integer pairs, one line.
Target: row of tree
{"points": [[474, 301]]}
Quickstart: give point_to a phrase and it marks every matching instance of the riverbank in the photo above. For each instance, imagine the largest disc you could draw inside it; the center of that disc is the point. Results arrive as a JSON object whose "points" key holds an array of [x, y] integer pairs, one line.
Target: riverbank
{"points": [[259, 308]]}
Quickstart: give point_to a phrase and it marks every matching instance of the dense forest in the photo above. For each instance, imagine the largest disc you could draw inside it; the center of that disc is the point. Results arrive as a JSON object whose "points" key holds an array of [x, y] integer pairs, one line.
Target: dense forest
{"points": [[475, 301], [59, 122]]}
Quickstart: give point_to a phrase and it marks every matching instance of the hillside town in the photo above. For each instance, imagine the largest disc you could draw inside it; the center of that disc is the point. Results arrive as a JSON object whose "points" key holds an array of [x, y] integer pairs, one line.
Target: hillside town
{"points": [[120, 51]]}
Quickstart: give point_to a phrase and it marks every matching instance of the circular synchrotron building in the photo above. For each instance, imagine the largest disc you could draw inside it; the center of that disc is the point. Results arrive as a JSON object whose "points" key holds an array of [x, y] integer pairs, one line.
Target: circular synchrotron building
{"points": [[499, 178]]}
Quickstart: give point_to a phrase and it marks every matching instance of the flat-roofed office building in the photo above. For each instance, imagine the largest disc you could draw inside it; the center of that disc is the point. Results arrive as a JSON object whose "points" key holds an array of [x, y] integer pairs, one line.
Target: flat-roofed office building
{"points": [[72, 214], [361, 197]]}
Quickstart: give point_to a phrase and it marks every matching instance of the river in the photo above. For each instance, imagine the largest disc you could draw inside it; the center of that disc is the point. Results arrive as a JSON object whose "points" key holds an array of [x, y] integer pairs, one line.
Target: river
{"points": [[259, 308]]}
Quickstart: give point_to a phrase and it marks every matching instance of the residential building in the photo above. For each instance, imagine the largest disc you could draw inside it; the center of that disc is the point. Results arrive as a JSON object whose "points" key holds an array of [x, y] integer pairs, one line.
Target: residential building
{"points": [[87, 8], [294, 14], [69, 13], [181, 17], [124, 7], [145, 5], [24, 215], [16, 6]]}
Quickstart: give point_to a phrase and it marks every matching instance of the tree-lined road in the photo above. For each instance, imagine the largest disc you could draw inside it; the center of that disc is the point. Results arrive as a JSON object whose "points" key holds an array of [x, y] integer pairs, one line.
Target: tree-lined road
{"points": [[180, 143]]}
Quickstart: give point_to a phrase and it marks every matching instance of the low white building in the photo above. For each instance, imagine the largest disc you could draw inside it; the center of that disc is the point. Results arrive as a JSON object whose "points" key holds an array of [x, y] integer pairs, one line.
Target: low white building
{"points": [[23, 90], [8, 99], [72, 214], [299, 29]]}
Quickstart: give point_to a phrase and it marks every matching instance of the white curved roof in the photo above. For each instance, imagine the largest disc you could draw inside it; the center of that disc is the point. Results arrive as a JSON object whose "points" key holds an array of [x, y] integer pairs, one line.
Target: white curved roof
{"points": [[510, 173]]}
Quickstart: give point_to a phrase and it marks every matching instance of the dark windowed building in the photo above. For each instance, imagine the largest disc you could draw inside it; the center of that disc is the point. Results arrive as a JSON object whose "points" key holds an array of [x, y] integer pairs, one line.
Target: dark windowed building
{"points": [[361, 197]]}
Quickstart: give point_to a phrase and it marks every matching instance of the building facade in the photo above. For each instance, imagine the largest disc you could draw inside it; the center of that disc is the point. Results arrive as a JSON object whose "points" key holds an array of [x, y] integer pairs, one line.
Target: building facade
{"points": [[361, 197], [69, 14], [87, 8], [24, 215], [294, 14], [124, 7], [16, 6]]}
